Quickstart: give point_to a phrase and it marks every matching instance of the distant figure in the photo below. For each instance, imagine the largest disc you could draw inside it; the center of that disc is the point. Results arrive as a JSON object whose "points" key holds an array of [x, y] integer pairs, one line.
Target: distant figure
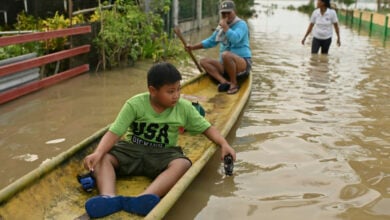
{"points": [[322, 19], [232, 34]]}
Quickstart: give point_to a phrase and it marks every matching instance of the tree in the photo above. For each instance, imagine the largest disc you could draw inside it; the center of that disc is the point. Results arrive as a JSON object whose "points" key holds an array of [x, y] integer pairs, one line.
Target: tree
{"points": [[348, 2]]}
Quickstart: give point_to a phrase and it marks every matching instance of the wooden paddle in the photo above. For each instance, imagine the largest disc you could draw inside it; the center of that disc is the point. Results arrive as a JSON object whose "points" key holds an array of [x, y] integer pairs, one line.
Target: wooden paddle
{"points": [[178, 33]]}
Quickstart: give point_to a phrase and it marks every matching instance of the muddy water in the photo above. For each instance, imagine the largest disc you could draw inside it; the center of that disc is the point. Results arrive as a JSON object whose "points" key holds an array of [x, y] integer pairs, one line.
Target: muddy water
{"points": [[39, 126], [312, 143], [314, 140]]}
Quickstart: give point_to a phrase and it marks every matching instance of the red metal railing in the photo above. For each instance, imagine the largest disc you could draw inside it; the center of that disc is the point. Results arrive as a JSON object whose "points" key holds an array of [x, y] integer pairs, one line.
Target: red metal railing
{"points": [[39, 61]]}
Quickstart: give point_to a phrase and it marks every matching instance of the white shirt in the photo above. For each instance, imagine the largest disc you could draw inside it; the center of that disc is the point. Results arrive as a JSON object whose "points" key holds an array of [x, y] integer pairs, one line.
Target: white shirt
{"points": [[323, 24]]}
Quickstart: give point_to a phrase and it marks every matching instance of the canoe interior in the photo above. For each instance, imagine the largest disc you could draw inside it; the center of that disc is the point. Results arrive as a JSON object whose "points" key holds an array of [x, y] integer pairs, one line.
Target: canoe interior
{"points": [[53, 192]]}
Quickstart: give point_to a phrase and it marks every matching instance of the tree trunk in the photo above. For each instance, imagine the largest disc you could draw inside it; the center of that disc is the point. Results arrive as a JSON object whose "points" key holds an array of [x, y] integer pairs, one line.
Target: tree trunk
{"points": [[378, 7]]}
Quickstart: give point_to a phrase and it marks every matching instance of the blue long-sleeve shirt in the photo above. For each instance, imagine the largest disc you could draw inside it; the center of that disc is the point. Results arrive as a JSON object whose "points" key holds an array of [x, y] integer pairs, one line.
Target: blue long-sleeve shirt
{"points": [[238, 40]]}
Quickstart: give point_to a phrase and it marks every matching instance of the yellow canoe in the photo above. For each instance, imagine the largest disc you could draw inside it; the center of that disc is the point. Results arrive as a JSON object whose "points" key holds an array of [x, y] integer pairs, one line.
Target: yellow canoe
{"points": [[52, 191]]}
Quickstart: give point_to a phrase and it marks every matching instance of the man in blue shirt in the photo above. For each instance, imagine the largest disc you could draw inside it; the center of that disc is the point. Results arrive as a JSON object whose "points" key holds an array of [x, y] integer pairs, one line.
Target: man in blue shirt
{"points": [[232, 34]]}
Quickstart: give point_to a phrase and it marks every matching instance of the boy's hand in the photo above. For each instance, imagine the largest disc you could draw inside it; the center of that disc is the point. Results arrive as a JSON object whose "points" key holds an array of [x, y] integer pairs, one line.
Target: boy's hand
{"points": [[105, 145], [91, 160], [213, 134], [227, 149]]}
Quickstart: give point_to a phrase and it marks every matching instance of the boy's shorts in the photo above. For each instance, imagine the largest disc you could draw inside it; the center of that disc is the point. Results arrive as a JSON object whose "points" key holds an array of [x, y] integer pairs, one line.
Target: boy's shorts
{"points": [[141, 160]]}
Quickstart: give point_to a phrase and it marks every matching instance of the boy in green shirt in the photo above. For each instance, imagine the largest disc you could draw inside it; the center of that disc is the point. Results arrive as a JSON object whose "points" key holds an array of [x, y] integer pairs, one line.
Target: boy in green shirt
{"points": [[149, 123]]}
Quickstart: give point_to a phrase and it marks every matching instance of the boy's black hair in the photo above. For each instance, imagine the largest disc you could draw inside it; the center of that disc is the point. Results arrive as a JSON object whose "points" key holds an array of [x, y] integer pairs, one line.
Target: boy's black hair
{"points": [[162, 74]]}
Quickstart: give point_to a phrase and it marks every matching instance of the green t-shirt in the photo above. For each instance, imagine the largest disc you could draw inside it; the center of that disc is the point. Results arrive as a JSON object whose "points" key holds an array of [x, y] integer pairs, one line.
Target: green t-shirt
{"points": [[143, 125]]}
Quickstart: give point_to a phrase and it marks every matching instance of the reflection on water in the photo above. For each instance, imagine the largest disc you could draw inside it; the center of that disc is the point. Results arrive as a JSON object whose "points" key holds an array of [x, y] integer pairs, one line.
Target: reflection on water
{"points": [[313, 140], [312, 143]]}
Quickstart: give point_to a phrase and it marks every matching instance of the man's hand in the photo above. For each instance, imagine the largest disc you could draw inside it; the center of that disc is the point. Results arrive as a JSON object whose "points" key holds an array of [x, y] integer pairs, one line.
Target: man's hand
{"points": [[224, 25], [189, 47]]}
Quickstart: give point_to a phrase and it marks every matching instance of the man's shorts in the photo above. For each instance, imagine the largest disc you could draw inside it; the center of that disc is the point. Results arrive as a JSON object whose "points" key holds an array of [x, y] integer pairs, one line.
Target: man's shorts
{"points": [[243, 74], [140, 160], [248, 67]]}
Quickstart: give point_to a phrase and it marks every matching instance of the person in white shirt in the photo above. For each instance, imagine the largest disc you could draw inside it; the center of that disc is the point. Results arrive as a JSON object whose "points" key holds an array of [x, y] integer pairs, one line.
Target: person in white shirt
{"points": [[322, 19]]}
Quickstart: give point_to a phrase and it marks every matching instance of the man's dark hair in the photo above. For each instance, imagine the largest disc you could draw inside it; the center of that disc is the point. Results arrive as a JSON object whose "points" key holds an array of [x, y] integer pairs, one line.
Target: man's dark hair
{"points": [[327, 3], [162, 74]]}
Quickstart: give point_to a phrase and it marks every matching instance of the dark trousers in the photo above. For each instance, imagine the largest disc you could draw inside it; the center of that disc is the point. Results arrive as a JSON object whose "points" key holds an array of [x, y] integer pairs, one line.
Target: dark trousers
{"points": [[323, 44]]}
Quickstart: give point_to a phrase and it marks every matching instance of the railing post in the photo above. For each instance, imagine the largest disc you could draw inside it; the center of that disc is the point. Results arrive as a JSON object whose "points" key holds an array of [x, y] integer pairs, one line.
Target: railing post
{"points": [[198, 14], [371, 22], [5, 16], [175, 12], [360, 19], [386, 26], [352, 16]]}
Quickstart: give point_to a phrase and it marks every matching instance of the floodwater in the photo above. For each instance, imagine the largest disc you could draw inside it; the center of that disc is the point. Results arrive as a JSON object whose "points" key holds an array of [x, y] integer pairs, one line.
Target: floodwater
{"points": [[313, 141], [41, 125]]}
